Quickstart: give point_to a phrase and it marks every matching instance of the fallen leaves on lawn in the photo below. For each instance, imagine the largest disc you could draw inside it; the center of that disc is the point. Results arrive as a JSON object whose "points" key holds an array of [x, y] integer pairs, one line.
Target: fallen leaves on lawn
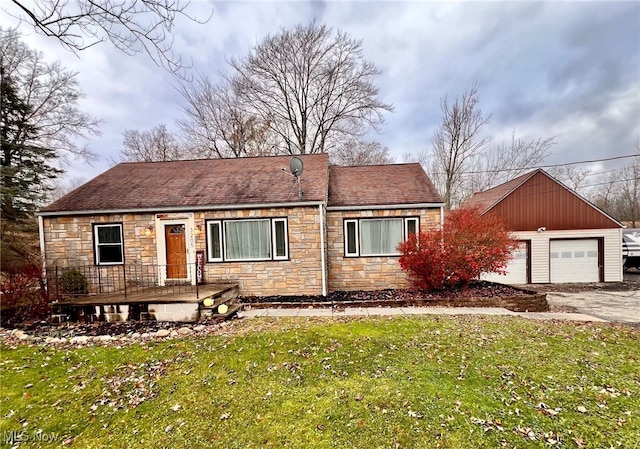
{"points": [[133, 385]]}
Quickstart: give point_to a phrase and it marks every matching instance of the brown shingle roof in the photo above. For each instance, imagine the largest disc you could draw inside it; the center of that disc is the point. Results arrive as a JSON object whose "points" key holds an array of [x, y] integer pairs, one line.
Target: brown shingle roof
{"points": [[198, 183], [371, 185], [486, 199]]}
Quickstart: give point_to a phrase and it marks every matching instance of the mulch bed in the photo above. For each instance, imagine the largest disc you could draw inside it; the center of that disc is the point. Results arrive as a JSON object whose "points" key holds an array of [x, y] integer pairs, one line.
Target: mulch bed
{"points": [[479, 289], [475, 294]]}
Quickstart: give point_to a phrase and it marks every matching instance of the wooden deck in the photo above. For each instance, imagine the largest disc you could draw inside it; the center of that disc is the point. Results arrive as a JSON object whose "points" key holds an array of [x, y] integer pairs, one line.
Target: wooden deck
{"points": [[155, 295]]}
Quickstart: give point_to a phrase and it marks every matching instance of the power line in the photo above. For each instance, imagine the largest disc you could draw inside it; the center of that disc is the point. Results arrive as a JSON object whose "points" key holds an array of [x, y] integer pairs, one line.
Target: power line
{"points": [[476, 172]]}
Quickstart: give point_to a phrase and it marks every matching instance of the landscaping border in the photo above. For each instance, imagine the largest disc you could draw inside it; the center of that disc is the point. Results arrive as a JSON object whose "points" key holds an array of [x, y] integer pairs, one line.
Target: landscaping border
{"points": [[528, 301]]}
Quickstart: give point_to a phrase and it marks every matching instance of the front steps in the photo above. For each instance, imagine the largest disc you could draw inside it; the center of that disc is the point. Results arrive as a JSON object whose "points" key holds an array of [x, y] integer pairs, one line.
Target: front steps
{"points": [[220, 305], [209, 301]]}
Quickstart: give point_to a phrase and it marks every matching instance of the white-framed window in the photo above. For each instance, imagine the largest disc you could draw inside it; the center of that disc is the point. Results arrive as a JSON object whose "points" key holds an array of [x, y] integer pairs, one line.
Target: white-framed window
{"points": [[377, 236], [108, 244], [247, 239]]}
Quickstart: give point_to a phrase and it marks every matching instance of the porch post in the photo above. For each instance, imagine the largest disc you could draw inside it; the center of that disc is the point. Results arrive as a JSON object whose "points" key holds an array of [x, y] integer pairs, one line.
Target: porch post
{"points": [[124, 277]]}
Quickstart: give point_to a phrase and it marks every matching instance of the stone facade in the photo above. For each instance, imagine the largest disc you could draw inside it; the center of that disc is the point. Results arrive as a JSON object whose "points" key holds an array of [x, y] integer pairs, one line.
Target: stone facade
{"points": [[69, 243], [368, 273], [301, 274], [69, 240]]}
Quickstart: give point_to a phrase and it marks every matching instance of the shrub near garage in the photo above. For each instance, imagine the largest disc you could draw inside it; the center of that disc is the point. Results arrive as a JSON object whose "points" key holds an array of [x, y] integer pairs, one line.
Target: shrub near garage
{"points": [[468, 245]]}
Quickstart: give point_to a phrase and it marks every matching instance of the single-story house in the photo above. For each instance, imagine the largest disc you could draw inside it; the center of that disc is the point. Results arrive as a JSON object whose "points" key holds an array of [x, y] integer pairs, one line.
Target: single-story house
{"points": [[563, 237], [249, 221]]}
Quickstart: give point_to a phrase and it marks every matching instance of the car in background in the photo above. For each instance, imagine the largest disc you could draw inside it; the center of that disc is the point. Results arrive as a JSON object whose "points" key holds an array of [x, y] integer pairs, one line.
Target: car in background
{"points": [[631, 248]]}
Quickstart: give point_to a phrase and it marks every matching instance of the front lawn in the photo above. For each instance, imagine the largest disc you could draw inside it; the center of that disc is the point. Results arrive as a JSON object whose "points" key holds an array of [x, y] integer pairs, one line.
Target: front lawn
{"points": [[420, 382]]}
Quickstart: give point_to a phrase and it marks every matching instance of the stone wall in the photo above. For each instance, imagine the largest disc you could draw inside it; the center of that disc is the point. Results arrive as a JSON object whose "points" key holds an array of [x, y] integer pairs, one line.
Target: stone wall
{"points": [[69, 243], [368, 273], [69, 240], [300, 275]]}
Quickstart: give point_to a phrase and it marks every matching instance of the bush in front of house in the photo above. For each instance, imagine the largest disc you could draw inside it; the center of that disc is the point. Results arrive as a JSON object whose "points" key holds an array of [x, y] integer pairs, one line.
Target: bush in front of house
{"points": [[24, 296], [74, 282], [468, 244]]}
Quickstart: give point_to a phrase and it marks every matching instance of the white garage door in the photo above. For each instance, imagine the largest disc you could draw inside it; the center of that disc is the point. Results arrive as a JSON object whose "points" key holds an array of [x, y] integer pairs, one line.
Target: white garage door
{"points": [[516, 269], [574, 261]]}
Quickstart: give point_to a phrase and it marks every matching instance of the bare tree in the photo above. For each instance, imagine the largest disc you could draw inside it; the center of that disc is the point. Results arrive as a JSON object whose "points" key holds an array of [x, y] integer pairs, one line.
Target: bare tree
{"points": [[61, 187], [142, 26], [629, 189], [217, 125], [311, 85], [573, 177], [507, 161], [157, 144], [41, 125], [457, 143], [461, 160], [618, 192], [52, 94], [360, 153]]}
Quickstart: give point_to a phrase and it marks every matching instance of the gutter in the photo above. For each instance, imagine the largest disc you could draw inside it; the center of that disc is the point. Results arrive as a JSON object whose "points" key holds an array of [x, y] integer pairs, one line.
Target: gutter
{"points": [[158, 209], [322, 253], [386, 206], [42, 247]]}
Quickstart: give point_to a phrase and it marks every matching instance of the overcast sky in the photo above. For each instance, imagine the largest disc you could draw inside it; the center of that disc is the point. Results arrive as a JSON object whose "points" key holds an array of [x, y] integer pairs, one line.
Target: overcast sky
{"points": [[564, 69]]}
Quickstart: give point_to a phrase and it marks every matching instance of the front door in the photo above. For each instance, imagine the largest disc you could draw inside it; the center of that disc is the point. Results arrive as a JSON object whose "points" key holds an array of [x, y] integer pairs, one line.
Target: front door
{"points": [[176, 242]]}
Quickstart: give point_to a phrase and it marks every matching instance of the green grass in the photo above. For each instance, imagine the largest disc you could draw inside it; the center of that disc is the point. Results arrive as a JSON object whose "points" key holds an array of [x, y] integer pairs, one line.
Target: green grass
{"points": [[450, 382]]}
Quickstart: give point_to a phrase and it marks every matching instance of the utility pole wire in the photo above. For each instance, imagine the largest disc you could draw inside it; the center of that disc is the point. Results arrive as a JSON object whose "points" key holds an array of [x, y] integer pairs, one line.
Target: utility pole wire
{"points": [[548, 165]]}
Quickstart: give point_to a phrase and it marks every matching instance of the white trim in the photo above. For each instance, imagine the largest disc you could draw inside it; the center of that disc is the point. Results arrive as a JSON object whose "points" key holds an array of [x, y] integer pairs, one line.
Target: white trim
{"points": [[209, 242], [346, 238], [275, 242], [43, 257], [160, 210], [41, 235], [96, 243], [406, 226], [386, 206], [161, 246], [323, 264]]}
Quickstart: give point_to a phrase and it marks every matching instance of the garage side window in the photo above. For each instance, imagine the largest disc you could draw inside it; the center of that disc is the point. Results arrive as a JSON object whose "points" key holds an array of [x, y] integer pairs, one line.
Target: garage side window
{"points": [[108, 244]]}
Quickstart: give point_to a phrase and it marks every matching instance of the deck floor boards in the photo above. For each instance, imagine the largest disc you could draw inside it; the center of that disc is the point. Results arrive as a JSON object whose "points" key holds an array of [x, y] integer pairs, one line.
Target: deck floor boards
{"points": [[155, 295]]}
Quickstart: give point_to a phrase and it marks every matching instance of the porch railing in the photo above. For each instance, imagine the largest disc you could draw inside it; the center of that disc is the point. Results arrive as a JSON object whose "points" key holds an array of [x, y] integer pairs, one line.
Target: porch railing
{"points": [[127, 279]]}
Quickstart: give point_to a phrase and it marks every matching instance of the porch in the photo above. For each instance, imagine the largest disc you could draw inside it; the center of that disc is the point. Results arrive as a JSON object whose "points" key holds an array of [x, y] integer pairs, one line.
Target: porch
{"points": [[137, 292]]}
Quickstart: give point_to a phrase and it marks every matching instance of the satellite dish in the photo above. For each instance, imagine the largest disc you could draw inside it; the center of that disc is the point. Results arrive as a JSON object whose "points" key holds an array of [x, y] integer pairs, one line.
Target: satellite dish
{"points": [[296, 166]]}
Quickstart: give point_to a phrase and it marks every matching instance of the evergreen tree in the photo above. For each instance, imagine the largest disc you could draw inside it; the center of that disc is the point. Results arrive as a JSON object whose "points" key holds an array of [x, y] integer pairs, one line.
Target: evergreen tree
{"points": [[26, 168]]}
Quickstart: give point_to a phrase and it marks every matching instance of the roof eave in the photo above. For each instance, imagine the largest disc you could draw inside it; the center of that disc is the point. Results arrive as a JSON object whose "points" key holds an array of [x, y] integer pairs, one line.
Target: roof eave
{"points": [[386, 206], [180, 208]]}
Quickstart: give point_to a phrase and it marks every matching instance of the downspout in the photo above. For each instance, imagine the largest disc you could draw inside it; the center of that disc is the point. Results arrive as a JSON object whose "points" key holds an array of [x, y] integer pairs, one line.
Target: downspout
{"points": [[441, 217], [42, 248], [322, 251]]}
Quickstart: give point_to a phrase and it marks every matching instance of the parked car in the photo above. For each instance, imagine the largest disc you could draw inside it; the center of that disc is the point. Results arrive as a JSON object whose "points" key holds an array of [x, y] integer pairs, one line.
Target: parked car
{"points": [[631, 248]]}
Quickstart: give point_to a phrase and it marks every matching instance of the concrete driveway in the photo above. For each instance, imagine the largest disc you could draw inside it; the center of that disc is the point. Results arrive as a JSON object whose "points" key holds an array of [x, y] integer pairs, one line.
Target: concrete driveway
{"points": [[619, 306]]}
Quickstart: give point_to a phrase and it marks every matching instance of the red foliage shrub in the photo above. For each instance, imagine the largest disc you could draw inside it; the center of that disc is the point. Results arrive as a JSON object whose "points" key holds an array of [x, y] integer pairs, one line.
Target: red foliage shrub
{"points": [[468, 244], [24, 296]]}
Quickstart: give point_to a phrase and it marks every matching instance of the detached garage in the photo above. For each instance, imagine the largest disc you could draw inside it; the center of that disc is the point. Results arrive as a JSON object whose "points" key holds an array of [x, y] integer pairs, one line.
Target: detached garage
{"points": [[564, 238]]}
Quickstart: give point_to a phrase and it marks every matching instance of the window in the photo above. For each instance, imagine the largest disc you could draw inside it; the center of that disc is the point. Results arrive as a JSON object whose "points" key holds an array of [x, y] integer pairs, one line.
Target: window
{"points": [[108, 244], [254, 239], [378, 236]]}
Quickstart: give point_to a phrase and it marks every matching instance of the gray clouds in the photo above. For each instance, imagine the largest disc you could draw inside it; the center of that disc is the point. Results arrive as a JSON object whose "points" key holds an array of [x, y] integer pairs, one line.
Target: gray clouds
{"points": [[569, 69]]}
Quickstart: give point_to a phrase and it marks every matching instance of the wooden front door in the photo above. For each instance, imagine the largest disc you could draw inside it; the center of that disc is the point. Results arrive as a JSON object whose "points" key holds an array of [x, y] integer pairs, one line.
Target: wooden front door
{"points": [[174, 236]]}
